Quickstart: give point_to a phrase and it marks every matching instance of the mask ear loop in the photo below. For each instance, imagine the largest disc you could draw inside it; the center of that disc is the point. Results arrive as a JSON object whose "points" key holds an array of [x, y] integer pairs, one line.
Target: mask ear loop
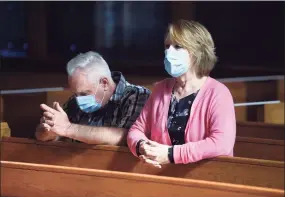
{"points": [[103, 98], [103, 94]]}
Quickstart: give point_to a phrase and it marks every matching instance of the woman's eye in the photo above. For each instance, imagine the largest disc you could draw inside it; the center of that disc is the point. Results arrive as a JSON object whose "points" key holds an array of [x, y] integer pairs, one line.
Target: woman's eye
{"points": [[167, 46], [177, 46]]}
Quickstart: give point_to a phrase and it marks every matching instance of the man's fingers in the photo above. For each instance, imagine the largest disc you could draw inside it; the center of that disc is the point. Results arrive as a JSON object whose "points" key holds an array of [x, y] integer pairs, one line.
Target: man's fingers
{"points": [[49, 122], [58, 107], [45, 126], [42, 120], [47, 108], [48, 115]]}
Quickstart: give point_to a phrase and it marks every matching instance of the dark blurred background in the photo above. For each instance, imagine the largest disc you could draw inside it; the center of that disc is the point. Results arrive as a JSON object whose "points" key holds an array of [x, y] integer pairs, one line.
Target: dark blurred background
{"points": [[42, 36]]}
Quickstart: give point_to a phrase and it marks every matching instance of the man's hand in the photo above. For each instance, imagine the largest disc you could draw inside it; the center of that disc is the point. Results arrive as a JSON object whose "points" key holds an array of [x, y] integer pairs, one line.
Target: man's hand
{"points": [[154, 153], [43, 132], [55, 119]]}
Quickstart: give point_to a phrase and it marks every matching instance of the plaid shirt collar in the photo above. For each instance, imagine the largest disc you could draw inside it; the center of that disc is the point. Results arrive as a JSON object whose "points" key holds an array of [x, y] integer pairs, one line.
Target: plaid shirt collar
{"points": [[121, 82]]}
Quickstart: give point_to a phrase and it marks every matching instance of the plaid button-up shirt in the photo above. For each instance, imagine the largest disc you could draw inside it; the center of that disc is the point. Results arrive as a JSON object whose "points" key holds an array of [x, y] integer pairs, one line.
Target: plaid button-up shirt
{"points": [[121, 111]]}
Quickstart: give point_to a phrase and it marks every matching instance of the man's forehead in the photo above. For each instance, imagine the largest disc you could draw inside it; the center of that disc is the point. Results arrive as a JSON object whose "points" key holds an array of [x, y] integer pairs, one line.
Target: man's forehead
{"points": [[79, 82]]}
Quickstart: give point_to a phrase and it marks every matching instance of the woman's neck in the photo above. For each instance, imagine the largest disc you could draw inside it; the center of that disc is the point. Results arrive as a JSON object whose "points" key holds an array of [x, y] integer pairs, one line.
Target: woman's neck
{"points": [[188, 83]]}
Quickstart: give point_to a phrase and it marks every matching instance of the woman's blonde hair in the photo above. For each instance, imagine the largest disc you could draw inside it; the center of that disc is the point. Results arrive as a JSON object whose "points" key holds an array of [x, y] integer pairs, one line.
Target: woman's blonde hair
{"points": [[197, 40]]}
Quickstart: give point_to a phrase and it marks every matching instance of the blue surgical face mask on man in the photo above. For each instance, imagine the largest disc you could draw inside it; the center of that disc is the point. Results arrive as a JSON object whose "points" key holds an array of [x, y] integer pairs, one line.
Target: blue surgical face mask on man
{"points": [[176, 61], [88, 103]]}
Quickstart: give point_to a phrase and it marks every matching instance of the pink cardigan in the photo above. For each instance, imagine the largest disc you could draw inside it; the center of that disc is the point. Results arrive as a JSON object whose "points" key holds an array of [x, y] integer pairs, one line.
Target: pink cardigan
{"points": [[210, 130]]}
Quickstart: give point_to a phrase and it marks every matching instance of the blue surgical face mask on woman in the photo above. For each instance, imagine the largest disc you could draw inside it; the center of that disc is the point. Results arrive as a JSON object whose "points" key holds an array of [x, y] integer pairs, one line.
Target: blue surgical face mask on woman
{"points": [[88, 103], [176, 61]]}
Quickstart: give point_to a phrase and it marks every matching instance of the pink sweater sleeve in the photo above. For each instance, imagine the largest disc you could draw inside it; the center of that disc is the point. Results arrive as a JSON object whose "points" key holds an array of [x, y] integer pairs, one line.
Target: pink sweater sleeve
{"points": [[140, 129], [222, 133]]}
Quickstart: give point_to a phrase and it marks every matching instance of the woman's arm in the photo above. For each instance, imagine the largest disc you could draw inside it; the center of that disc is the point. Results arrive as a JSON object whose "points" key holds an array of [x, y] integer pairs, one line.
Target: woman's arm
{"points": [[140, 128], [222, 133]]}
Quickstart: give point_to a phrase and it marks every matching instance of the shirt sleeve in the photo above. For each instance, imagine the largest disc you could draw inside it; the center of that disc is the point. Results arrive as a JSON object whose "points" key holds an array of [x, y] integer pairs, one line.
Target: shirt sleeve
{"points": [[132, 106], [222, 132]]}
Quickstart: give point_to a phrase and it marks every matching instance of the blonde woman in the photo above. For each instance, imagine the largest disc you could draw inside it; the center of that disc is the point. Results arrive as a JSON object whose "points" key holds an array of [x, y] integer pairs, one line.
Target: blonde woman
{"points": [[190, 116]]}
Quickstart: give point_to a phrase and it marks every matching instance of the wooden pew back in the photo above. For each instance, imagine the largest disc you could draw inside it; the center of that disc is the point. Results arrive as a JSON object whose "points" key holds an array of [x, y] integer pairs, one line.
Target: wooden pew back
{"points": [[33, 180], [58, 96], [5, 130], [267, 113], [223, 169], [22, 110], [1, 109], [274, 113], [238, 91], [281, 90], [258, 148], [260, 130]]}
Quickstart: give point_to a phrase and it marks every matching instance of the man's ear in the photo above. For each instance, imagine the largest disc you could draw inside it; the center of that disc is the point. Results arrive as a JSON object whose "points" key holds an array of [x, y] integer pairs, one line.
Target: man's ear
{"points": [[104, 82]]}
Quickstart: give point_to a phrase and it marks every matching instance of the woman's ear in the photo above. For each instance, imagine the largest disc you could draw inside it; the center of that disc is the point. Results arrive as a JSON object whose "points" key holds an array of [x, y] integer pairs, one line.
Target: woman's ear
{"points": [[191, 59]]}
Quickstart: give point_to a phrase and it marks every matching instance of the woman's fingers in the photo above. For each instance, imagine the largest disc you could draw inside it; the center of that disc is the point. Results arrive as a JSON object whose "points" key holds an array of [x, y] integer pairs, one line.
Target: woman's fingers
{"points": [[149, 161]]}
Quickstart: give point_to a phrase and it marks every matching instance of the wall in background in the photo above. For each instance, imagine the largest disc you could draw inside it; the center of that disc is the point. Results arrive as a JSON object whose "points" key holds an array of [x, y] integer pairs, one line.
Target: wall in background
{"points": [[245, 33], [130, 34], [13, 37]]}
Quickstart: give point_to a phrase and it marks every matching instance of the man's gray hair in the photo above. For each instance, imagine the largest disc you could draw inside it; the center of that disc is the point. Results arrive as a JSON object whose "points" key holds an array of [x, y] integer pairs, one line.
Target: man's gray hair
{"points": [[91, 62]]}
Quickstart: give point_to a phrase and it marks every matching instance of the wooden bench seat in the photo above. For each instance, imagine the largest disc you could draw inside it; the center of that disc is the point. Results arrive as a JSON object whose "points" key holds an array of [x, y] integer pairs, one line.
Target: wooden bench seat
{"points": [[34, 180], [235, 170]]}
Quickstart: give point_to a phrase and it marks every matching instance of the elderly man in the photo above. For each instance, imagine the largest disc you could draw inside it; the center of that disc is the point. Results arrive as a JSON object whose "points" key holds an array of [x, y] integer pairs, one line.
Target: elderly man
{"points": [[102, 109]]}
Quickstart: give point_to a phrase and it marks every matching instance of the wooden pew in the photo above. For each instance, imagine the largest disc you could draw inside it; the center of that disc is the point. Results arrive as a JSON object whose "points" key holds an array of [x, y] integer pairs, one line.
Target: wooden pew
{"points": [[4, 130], [262, 90], [243, 113], [241, 92], [27, 80], [34, 180], [267, 113], [274, 113], [22, 110], [238, 91], [235, 170], [258, 148], [260, 130], [281, 90], [1, 109], [58, 96]]}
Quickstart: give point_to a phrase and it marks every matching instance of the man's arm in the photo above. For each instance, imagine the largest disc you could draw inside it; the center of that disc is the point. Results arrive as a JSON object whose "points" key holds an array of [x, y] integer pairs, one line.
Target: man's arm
{"points": [[97, 135], [112, 135]]}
